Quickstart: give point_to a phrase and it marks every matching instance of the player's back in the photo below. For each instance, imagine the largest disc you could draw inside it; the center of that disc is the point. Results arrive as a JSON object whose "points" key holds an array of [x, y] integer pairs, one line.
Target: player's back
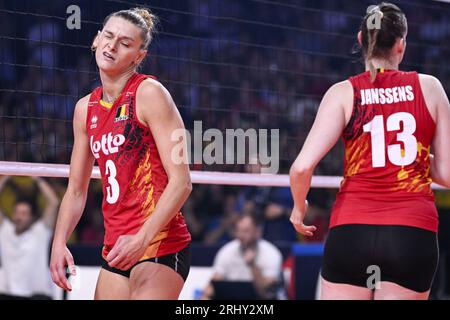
{"points": [[387, 147]]}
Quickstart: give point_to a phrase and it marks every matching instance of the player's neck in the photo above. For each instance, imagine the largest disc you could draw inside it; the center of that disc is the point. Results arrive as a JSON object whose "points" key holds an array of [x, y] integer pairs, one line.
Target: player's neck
{"points": [[382, 63], [112, 86]]}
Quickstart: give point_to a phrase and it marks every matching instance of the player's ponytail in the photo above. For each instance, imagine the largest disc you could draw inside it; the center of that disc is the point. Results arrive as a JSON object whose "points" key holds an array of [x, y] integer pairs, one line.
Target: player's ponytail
{"points": [[380, 29], [372, 39]]}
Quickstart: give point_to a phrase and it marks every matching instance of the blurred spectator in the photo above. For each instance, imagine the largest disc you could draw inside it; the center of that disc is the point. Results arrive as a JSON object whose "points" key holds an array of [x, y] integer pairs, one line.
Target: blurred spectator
{"points": [[43, 38], [272, 205], [221, 228], [93, 231], [213, 212], [319, 202], [194, 222], [277, 226], [249, 258], [24, 245]]}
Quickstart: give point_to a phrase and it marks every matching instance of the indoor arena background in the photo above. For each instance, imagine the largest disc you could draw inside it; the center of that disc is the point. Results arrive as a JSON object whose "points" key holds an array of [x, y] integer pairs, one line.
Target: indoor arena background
{"points": [[231, 64]]}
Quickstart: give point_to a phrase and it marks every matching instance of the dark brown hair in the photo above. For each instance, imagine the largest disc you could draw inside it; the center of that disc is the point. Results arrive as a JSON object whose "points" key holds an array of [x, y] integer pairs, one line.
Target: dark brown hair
{"points": [[377, 40], [140, 17], [256, 221]]}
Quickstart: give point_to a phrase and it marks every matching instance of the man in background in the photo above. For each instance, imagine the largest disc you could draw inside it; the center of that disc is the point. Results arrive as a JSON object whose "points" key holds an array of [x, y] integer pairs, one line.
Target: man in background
{"points": [[248, 258], [24, 245]]}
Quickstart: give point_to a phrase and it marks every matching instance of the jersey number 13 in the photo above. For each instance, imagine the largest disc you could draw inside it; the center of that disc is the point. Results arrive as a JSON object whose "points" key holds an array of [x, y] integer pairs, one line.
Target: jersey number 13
{"points": [[396, 155]]}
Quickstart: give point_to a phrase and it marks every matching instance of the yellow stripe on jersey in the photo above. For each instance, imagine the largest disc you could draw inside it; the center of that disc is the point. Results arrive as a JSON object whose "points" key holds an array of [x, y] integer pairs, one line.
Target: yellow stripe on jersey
{"points": [[106, 104]]}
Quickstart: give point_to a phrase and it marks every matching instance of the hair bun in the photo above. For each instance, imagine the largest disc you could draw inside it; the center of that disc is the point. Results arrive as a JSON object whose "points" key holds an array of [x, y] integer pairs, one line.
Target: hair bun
{"points": [[149, 18]]}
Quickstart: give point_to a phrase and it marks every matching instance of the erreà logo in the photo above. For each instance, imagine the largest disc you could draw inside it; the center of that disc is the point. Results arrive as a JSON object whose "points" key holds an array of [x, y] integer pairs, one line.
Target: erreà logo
{"points": [[94, 120], [122, 113]]}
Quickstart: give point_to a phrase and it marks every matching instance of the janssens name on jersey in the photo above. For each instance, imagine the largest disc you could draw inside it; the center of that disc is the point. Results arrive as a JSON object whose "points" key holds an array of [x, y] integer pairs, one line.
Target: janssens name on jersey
{"points": [[108, 144], [387, 95]]}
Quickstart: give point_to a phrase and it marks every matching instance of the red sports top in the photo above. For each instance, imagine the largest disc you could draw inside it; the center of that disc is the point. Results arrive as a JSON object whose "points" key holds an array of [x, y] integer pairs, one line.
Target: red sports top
{"points": [[387, 148], [132, 173]]}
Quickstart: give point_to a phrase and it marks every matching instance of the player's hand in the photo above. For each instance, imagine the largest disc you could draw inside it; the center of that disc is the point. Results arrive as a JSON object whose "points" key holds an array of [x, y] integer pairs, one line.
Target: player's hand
{"points": [[126, 252], [61, 258], [297, 216]]}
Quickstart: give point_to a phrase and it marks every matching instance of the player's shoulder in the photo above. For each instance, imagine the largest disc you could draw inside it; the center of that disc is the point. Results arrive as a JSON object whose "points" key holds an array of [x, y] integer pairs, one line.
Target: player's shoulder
{"points": [[151, 89], [81, 108], [342, 86], [83, 102], [341, 91], [153, 97], [431, 87], [428, 81], [151, 86]]}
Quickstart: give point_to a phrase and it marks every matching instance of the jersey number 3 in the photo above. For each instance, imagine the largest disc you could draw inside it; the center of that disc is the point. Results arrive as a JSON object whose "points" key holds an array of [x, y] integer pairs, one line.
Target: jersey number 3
{"points": [[396, 155], [112, 190]]}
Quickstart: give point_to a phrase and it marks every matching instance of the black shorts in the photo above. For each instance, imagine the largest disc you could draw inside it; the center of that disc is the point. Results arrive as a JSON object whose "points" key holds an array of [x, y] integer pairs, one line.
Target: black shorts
{"points": [[179, 261], [406, 256]]}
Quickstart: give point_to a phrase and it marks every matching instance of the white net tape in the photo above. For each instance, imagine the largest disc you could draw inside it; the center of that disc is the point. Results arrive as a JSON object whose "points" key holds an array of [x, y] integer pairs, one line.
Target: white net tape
{"points": [[198, 177]]}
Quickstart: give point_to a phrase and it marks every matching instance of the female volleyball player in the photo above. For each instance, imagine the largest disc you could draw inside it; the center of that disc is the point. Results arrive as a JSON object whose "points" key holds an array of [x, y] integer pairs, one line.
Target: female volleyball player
{"points": [[384, 221], [126, 125]]}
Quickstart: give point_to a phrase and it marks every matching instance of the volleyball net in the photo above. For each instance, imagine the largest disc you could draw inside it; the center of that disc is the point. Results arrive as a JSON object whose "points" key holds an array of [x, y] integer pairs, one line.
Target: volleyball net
{"points": [[198, 177], [229, 64]]}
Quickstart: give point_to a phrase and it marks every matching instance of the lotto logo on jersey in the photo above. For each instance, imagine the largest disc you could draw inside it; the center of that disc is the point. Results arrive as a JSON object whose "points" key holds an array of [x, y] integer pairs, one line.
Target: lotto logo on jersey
{"points": [[122, 113], [108, 144]]}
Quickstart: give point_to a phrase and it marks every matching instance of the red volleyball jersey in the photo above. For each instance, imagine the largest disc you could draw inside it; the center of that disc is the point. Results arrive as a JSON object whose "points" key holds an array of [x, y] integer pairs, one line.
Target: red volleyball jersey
{"points": [[387, 147], [132, 173]]}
